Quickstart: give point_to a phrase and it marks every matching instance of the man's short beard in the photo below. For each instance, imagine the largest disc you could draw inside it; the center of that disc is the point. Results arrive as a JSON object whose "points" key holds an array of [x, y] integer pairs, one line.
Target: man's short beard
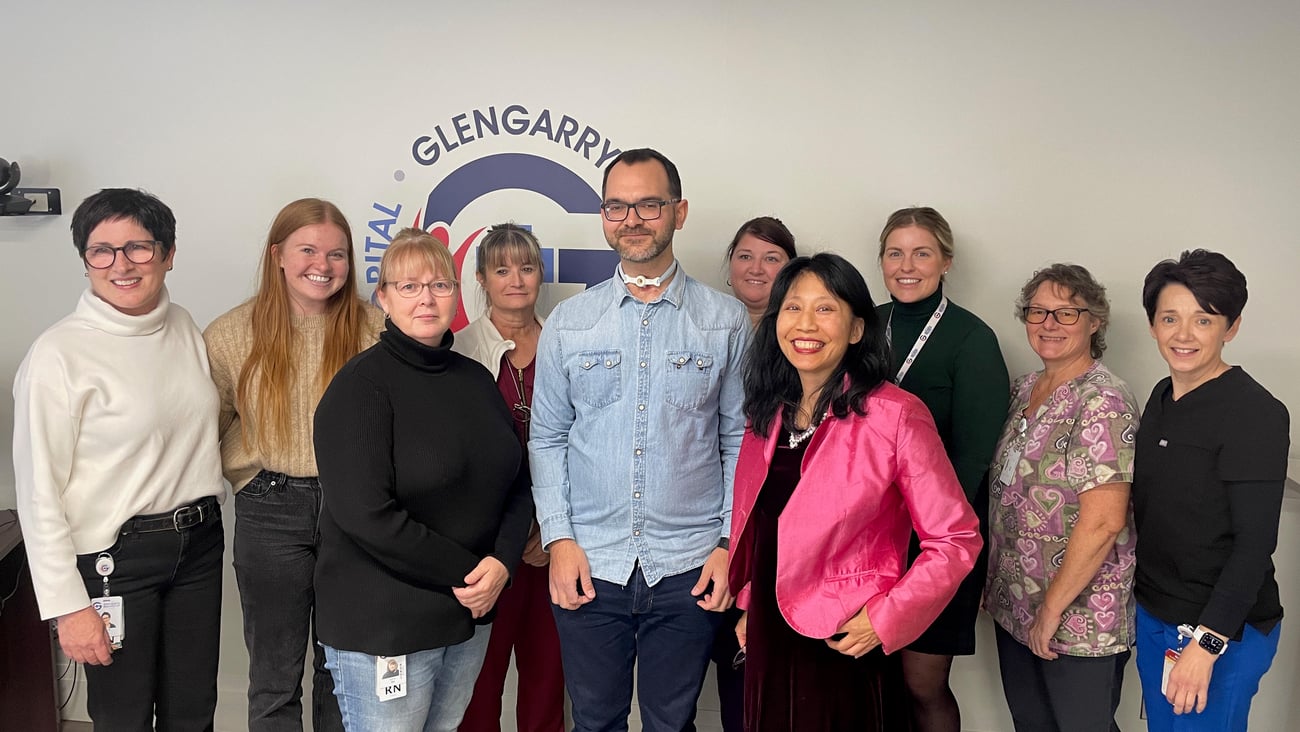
{"points": [[639, 255]]}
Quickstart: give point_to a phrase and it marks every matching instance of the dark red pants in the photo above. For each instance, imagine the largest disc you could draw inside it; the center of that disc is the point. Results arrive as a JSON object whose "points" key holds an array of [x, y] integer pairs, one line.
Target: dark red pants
{"points": [[525, 625]]}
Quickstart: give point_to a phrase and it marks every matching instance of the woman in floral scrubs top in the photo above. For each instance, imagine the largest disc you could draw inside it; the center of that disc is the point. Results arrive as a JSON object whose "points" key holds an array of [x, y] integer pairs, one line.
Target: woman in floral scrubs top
{"points": [[1061, 541]]}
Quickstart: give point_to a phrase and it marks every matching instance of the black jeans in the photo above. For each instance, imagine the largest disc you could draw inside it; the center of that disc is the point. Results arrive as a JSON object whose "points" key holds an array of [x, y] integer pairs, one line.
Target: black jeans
{"points": [[166, 670], [276, 538]]}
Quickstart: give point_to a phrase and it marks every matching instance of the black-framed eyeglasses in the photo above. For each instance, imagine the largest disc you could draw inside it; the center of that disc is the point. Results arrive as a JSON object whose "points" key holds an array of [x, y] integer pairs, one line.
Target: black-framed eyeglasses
{"points": [[102, 256], [410, 288], [647, 210], [1064, 316]]}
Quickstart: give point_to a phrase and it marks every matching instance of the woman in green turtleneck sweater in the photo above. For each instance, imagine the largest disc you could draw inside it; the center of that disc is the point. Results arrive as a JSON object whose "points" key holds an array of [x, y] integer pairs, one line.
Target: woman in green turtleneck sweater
{"points": [[958, 371]]}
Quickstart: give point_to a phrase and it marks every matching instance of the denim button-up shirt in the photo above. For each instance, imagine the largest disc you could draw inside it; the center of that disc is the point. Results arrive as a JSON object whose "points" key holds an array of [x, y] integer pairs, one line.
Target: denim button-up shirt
{"points": [[636, 425]]}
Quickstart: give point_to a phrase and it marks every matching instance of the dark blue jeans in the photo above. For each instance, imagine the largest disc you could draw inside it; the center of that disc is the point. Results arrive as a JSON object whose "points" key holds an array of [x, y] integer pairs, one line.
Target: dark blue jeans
{"points": [[276, 539], [166, 670], [659, 630]]}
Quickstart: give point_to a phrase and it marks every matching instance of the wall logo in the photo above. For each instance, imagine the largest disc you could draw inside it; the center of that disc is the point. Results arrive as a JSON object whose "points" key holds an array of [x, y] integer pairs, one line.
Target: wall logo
{"points": [[471, 181]]}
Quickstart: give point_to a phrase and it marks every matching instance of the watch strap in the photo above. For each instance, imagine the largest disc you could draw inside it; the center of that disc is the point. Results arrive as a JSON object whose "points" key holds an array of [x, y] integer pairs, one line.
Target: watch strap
{"points": [[1208, 641]]}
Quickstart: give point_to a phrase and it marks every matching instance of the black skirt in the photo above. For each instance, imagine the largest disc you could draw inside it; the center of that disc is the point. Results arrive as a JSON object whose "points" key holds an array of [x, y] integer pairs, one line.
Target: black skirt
{"points": [[953, 632]]}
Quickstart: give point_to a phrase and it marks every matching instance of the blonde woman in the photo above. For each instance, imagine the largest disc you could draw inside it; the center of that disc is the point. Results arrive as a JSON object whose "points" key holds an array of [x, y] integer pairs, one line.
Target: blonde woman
{"points": [[504, 339], [948, 357], [426, 506], [271, 359]]}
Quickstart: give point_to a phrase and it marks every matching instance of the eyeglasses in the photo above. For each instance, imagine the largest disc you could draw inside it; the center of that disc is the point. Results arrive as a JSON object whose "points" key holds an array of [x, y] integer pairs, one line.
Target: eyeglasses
{"points": [[647, 210], [411, 288], [1064, 316], [102, 256], [739, 660]]}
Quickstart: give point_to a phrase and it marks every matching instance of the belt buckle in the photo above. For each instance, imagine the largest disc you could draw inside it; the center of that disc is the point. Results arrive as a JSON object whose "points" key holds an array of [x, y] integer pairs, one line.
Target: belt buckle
{"points": [[187, 516]]}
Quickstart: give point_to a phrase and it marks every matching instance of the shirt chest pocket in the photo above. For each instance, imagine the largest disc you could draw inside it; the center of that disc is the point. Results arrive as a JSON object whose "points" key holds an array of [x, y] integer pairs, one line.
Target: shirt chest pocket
{"points": [[690, 378], [597, 379]]}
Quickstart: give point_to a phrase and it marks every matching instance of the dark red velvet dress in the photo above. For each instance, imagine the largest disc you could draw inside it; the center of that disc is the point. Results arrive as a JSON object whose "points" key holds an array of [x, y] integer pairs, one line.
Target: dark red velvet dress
{"points": [[798, 683]]}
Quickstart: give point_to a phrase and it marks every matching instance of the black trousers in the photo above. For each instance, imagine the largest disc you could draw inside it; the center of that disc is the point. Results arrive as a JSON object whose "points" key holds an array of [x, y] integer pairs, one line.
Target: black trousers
{"points": [[731, 680], [166, 671], [1069, 694]]}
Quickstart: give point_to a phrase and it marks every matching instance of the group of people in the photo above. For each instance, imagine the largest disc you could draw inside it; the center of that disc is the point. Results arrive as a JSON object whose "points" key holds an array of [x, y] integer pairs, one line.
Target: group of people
{"points": [[591, 494]]}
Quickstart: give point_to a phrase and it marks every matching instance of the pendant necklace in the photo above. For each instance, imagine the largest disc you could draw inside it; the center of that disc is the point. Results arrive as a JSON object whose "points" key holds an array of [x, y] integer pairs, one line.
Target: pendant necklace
{"points": [[522, 412]]}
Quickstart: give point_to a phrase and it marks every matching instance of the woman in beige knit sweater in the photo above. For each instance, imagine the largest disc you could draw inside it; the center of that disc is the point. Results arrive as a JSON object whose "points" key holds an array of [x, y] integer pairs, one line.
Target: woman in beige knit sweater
{"points": [[272, 358]]}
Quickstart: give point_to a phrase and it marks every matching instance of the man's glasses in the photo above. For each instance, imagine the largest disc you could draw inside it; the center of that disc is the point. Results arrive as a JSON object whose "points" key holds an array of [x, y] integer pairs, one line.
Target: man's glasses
{"points": [[102, 256], [411, 288], [647, 210], [1064, 316]]}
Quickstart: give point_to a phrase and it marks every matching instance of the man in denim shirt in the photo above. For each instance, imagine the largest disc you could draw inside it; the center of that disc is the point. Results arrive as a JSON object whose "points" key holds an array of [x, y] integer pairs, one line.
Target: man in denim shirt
{"points": [[636, 424]]}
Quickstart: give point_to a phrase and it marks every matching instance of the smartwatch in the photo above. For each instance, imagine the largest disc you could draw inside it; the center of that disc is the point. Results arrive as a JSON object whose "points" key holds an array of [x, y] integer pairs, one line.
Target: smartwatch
{"points": [[1205, 639]]}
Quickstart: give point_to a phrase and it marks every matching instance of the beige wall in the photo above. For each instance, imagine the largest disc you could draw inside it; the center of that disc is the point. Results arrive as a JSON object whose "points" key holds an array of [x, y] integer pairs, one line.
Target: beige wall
{"points": [[1108, 133]]}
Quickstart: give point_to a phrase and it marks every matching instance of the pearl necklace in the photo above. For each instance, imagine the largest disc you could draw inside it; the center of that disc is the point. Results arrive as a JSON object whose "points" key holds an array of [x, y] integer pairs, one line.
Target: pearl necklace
{"points": [[796, 438]]}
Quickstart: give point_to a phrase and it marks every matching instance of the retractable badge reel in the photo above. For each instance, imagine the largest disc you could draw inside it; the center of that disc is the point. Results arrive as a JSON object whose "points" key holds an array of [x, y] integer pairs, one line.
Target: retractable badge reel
{"points": [[104, 566], [110, 609]]}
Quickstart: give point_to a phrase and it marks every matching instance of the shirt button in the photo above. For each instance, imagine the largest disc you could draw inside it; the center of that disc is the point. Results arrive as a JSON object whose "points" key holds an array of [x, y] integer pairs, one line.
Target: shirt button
{"points": [[638, 451], [643, 364], [636, 495], [608, 364], [636, 533], [700, 363], [681, 360], [645, 322], [640, 407], [586, 364]]}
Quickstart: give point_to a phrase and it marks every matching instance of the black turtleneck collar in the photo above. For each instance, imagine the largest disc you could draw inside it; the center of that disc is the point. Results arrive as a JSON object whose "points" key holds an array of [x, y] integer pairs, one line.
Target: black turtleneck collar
{"points": [[410, 351], [919, 309]]}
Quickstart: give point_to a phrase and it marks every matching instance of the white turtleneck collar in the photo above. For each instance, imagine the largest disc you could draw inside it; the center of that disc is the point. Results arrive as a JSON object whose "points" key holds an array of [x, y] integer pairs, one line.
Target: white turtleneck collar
{"points": [[102, 316]]}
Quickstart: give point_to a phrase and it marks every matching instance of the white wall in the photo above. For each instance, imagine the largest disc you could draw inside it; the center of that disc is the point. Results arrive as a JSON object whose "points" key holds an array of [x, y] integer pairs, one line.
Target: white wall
{"points": [[1108, 133]]}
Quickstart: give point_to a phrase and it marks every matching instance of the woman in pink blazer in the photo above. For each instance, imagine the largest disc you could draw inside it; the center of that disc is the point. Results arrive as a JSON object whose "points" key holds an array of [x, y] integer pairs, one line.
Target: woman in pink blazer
{"points": [[836, 470]]}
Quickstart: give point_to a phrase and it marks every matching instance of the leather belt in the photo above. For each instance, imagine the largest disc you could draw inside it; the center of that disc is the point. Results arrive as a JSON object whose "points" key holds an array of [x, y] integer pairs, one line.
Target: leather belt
{"points": [[185, 517]]}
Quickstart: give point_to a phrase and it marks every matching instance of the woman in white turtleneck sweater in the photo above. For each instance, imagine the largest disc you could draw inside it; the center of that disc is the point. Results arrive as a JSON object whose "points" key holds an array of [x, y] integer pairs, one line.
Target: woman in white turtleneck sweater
{"points": [[118, 475]]}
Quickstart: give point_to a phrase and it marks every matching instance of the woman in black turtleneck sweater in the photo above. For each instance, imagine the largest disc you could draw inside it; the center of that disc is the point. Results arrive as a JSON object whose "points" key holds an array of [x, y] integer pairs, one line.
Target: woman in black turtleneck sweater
{"points": [[958, 371], [425, 508]]}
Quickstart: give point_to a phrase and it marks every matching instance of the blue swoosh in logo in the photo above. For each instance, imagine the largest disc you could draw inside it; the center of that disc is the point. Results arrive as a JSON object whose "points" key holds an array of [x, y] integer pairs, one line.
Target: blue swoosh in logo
{"points": [[508, 171]]}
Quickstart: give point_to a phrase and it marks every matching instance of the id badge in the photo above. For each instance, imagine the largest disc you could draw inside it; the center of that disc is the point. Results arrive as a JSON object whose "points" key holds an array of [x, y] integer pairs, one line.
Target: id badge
{"points": [[1171, 658], [112, 612], [1008, 473], [390, 677]]}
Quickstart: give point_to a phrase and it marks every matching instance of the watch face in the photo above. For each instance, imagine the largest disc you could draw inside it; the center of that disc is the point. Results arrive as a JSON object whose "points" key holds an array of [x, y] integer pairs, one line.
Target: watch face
{"points": [[1211, 643]]}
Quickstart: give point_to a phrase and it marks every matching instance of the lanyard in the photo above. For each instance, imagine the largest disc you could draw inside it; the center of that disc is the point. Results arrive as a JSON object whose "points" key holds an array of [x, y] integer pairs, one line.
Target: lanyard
{"points": [[921, 340]]}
